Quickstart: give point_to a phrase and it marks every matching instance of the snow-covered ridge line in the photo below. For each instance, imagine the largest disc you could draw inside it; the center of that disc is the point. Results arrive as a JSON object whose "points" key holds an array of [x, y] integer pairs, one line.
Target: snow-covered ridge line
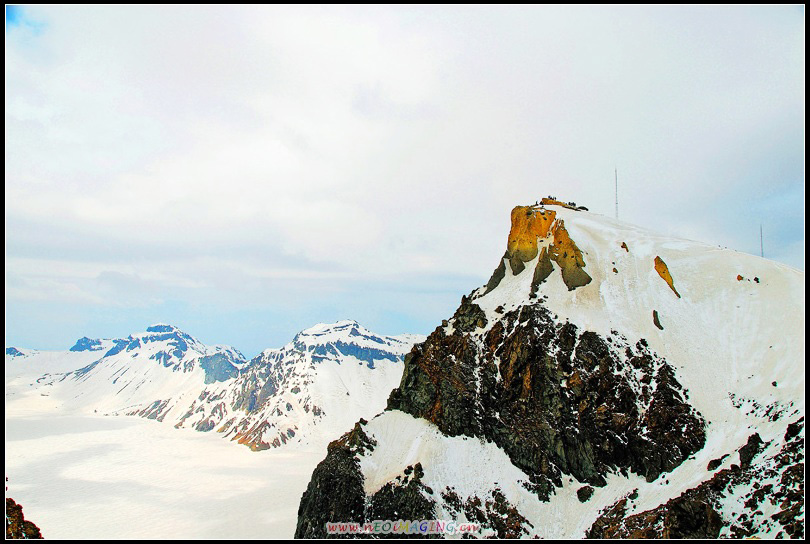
{"points": [[329, 375]]}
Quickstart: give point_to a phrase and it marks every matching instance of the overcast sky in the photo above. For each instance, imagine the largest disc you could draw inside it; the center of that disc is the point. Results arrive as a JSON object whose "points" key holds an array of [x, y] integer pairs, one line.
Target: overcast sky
{"points": [[244, 173]]}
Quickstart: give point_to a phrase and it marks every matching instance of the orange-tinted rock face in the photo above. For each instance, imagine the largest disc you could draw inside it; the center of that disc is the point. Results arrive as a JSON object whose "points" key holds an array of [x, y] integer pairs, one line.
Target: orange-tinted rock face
{"points": [[566, 254], [530, 224], [663, 271]]}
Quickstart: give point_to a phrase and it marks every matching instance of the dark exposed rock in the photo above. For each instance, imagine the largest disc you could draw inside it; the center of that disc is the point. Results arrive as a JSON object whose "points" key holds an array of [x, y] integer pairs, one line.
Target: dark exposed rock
{"points": [[584, 493], [715, 463], [542, 271], [495, 513], [688, 516], [218, 368], [334, 350], [694, 514], [335, 492], [497, 275], [403, 496], [87, 344], [656, 321], [794, 429], [594, 423], [16, 524], [556, 399], [468, 316], [750, 449]]}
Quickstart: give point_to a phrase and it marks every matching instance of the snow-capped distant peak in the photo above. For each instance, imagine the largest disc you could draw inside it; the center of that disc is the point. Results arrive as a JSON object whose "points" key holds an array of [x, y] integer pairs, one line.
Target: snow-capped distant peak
{"points": [[348, 333], [162, 327], [321, 329], [11, 351], [87, 344]]}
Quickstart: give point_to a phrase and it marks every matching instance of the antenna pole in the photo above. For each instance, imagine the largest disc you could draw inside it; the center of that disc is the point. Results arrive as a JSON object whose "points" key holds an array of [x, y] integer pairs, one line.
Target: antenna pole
{"points": [[616, 173], [761, 244]]}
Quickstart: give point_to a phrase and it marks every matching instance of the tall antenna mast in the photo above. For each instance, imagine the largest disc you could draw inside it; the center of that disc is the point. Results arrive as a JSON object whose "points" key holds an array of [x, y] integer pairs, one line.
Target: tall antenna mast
{"points": [[761, 245], [616, 172]]}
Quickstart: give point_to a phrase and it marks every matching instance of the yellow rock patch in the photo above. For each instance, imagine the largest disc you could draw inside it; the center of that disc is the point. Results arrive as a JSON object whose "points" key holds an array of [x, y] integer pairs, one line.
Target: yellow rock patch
{"points": [[528, 224], [663, 271], [566, 254]]}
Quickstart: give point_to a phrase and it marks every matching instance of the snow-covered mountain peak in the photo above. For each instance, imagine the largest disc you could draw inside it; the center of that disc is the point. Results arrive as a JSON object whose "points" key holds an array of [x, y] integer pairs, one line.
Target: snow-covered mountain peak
{"points": [[162, 327], [87, 344], [162, 331], [613, 379], [324, 333], [334, 341]]}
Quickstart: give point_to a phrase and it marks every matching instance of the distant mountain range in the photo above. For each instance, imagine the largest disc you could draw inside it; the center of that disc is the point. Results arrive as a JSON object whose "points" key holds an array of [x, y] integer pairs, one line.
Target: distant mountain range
{"points": [[310, 390]]}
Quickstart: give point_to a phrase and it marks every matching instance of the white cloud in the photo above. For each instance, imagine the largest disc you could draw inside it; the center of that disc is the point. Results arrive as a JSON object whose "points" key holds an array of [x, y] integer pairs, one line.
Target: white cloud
{"points": [[380, 141]]}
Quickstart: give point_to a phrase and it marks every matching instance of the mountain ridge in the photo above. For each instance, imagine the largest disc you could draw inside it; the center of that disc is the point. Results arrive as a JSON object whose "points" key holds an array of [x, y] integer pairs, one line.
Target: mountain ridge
{"points": [[583, 394], [166, 374]]}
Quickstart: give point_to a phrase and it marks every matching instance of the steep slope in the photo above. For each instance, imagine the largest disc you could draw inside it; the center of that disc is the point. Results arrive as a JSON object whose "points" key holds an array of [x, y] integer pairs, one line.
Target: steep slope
{"points": [[325, 379], [606, 381]]}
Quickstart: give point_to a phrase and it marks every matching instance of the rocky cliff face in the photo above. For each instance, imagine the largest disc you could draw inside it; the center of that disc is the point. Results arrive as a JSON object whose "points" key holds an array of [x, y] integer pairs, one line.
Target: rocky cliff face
{"points": [[556, 399], [537, 230], [535, 423]]}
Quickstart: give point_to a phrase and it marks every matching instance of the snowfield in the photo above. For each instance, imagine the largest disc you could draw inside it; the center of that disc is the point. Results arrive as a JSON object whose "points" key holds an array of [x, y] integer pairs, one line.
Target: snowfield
{"points": [[97, 477]]}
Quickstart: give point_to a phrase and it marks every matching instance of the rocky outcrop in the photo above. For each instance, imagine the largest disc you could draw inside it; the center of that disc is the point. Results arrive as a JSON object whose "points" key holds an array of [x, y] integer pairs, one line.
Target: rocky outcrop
{"points": [[556, 399], [335, 492], [494, 513], [87, 344], [16, 524], [565, 253], [536, 230], [697, 513], [218, 368], [656, 320], [528, 224], [663, 271]]}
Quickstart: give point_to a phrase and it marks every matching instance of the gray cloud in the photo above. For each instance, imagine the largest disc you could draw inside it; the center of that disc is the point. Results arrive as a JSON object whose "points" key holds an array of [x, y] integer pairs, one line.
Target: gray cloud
{"points": [[206, 151]]}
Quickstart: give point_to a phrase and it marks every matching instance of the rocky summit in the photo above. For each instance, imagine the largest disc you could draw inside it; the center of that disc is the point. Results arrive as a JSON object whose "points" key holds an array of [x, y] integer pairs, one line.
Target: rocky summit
{"points": [[552, 405]]}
